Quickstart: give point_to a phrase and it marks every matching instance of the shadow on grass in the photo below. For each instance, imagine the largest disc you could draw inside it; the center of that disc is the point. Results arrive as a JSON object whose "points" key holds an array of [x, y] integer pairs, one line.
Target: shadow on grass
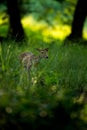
{"points": [[61, 119]]}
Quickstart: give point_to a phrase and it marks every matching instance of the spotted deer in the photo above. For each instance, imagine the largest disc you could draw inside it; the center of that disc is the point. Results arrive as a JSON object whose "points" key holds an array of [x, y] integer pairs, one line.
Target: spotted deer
{"points": [[28, 59]]}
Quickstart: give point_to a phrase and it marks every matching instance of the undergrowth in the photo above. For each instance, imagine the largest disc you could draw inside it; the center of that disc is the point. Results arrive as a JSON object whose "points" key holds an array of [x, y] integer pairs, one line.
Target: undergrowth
{"points": [[61, 77]]}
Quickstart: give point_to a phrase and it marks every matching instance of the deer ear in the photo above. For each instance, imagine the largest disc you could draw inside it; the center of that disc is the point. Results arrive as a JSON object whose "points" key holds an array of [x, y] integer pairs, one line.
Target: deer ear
{"points": [[46, 49]]}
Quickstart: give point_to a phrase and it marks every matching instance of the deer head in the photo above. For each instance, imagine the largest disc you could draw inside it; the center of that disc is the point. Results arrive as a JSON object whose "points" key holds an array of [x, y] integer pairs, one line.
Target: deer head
{"points": [[43, 53]]}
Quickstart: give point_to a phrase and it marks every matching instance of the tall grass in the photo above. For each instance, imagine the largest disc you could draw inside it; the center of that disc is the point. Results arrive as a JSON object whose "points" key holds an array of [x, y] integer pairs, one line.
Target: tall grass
{"points": [[63, 76], [66, 67]]}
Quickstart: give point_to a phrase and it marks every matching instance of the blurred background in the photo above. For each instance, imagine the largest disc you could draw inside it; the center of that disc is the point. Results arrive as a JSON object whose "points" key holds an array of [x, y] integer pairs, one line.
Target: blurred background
{"points": [[49, 18], [55, 95]]}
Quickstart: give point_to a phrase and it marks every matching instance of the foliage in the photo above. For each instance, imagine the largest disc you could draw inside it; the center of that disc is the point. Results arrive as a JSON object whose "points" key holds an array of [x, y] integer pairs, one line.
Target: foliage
{"points": [[57, 83], [50, 10]]}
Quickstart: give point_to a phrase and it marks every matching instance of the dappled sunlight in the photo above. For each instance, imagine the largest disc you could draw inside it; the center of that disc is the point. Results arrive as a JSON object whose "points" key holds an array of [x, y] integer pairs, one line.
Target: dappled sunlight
{"points": [[85, 30], [3, 26], [3, 18], [47, 31], [32, 24], [85, 35], [56, 31], [1, 21]]}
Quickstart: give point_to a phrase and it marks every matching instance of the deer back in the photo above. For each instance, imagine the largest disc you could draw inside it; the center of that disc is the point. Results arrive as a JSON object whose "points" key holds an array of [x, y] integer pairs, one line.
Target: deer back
{"points": [[26, 59]]}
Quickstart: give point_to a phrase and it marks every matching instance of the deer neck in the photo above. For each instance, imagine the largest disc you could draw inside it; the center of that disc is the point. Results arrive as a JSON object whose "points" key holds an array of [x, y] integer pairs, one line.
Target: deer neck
{"points": [[40, 57], [36, 59]]}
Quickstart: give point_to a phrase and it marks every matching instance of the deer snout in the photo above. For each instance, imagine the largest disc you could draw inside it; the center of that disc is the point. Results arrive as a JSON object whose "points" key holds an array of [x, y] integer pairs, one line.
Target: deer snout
{"points": [[46, 57]]}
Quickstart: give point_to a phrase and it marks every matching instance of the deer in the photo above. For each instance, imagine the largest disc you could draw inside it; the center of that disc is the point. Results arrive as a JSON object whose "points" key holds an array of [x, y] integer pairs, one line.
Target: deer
{"points": [[28, 59]]}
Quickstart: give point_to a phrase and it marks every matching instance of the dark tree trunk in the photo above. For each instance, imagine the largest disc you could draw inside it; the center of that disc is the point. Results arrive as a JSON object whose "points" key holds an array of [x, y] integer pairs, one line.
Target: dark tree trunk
{"points": [[78, 21], [16, 31]]}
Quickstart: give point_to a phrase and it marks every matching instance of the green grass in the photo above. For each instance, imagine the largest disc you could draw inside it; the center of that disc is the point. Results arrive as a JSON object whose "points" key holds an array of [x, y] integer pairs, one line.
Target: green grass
{"points": [[66, 65], [60, 78]]}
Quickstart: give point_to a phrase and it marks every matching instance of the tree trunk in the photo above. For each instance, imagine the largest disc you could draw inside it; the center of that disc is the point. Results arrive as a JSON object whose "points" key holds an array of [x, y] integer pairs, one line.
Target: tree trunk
{"points": [[79, 19], [16, 31]]}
